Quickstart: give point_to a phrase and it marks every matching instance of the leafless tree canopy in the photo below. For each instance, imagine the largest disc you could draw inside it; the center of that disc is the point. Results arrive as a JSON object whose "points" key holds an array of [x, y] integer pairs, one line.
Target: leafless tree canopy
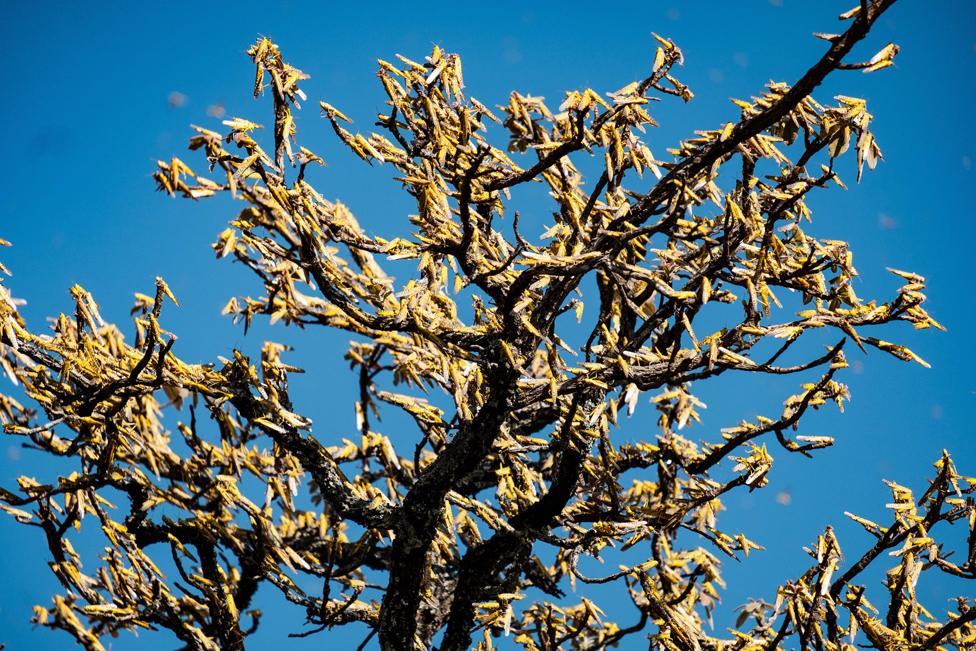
{"points": [[516, 473]]}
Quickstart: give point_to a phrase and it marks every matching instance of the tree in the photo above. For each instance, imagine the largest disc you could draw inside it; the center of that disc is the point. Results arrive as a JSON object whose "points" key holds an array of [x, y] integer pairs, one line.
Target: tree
{"points": [[518, 474]]}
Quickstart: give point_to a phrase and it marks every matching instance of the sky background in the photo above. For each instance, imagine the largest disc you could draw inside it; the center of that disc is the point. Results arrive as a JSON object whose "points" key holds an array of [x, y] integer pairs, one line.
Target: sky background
{"points": [[96, 93]]}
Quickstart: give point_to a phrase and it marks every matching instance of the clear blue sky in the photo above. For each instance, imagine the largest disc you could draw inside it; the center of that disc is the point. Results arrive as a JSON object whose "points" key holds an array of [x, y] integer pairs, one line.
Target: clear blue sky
{"points": [[87, 110]]}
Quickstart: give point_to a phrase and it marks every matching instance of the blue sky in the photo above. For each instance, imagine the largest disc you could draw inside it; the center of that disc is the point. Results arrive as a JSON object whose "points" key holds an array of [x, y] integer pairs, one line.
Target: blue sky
{"points": [[95, 94]]}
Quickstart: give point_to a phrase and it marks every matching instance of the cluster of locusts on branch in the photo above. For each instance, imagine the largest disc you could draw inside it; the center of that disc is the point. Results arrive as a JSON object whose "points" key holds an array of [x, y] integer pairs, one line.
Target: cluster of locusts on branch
{"points": [[517, 474]]}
